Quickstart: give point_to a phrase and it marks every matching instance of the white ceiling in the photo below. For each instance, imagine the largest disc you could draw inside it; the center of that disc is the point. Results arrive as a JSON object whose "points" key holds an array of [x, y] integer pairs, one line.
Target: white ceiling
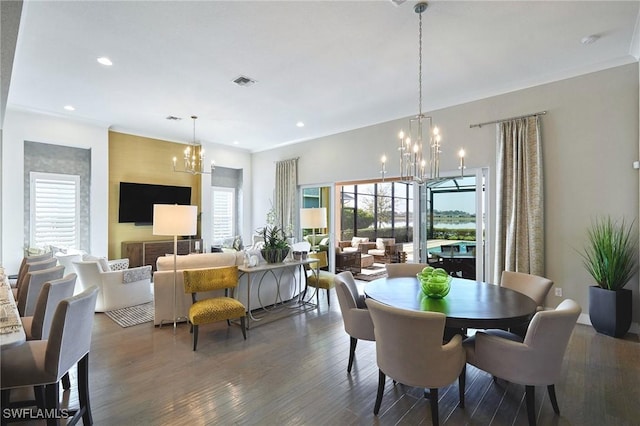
{"points": [[335, 65]]}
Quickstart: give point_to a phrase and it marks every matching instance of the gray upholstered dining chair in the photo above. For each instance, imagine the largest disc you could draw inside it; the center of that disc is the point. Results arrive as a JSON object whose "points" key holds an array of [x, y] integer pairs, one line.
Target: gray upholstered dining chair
{"points": [[404, 269], [355, 315], [31, 259], [37, 327], [42, 363], [409, 349], [533, 286], [29, 266], [31, 286], [534, 361]]}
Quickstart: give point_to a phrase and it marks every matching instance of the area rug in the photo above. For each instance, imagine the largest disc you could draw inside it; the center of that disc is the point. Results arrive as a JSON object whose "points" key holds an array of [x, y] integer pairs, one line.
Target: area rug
{"points": [[133, 315]]}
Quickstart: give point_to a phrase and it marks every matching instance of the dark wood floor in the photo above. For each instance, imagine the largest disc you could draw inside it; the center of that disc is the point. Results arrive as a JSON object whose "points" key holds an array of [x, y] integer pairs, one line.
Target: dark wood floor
{"points": [[293, 372]]}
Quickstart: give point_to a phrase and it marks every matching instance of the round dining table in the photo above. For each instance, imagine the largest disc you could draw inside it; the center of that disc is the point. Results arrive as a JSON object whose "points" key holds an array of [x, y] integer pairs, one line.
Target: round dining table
{"points": [[469, 304]]}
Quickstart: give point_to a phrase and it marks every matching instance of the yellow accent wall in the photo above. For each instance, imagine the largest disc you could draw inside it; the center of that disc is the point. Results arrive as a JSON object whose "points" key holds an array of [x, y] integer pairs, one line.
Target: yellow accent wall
{"points": [[142, 160]]}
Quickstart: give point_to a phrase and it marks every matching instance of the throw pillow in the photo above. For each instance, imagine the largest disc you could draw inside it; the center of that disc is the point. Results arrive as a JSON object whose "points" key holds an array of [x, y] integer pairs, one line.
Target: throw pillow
{"points": [[118, 264], [102, 262], [379, 244], [355, 241]]}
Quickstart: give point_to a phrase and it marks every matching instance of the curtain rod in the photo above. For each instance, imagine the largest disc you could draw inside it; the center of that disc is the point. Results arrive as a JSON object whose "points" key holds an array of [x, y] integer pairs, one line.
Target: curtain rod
{"points": [[507, 119]]}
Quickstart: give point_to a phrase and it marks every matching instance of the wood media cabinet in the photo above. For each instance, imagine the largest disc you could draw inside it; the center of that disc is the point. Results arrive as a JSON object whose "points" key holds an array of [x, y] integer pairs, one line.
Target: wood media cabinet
{"points": [[141, 253]]}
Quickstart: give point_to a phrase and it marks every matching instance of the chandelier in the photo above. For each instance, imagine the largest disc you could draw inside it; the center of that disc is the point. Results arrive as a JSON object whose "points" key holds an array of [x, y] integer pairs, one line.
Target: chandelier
{"points": [[193, 157], [413, 164]]}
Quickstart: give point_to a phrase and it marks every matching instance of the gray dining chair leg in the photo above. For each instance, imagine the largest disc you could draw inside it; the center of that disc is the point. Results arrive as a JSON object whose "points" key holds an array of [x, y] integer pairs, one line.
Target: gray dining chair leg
{"points": [[530, 397], [52, 402], [66, 382], [352, 352], [381, 380], [433, 399], [551, 389], [83, 390], [461, 384]]}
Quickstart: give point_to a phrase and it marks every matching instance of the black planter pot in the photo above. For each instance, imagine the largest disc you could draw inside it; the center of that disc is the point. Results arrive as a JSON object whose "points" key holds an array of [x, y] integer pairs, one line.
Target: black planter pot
{"points": [[610, 311]]}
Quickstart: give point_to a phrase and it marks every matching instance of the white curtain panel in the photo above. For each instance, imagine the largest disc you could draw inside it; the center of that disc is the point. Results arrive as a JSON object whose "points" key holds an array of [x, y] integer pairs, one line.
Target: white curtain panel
{"points": [[520, 206], [286, 192]]}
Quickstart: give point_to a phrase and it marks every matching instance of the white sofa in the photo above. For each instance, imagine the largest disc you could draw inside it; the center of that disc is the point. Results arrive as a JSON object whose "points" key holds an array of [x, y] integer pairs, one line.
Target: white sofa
{"points": [[118, 289], [163, 283]]}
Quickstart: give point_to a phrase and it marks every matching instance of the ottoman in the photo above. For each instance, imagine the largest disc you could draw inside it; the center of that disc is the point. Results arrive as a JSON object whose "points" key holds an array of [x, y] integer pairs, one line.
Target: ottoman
{"points": [[366, 260]]}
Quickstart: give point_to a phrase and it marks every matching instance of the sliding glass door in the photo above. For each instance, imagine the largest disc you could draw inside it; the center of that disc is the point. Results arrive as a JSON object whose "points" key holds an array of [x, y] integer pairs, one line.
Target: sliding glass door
{"points": [[452, 218]]}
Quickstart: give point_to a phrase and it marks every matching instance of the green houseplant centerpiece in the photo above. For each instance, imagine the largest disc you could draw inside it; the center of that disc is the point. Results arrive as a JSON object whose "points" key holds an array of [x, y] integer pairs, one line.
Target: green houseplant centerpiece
{"points": [[276, 247], [610, 256]]}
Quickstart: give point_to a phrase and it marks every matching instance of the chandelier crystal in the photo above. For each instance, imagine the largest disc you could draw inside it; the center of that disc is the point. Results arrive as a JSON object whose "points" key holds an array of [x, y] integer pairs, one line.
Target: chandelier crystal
{"points": [[193, 157], [415, 166]]}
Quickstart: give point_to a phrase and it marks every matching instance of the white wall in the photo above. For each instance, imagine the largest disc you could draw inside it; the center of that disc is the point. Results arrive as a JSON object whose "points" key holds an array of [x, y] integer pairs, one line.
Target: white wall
{"points": [[590, 138], [20, 126]]}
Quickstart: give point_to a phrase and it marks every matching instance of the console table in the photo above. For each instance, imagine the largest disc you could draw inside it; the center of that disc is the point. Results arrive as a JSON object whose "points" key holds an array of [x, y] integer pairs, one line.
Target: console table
{"points": [[255, 276], [142, 253]]}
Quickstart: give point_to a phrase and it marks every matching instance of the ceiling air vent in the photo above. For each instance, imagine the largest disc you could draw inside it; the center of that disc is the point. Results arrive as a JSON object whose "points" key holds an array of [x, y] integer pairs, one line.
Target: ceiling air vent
{"points": [[244, 81], [173, 117]]}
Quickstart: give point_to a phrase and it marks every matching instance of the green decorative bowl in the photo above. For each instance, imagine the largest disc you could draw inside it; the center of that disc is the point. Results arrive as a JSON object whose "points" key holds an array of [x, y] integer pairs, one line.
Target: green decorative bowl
{"points": [[435, 286]]}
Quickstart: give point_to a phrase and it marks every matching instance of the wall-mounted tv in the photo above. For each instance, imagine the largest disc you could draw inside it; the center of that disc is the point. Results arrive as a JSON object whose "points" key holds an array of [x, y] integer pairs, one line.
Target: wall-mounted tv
{"points": [[137, 200]]}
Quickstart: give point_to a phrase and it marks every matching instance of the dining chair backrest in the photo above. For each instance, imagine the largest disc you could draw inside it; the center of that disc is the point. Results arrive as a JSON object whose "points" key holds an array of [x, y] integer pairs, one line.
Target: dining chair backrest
{"points": [[355, 315], [220, 278], [31, 287], [52, 293], [70, 335], [322, 259], [409, 346], [547, 338], [404, 269], [32, 259], [530, 285], [33, 267]]}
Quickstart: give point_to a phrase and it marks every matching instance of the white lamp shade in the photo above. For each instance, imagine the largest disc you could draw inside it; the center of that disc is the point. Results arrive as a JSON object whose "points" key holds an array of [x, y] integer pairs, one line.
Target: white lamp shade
{"points": [[313, 218], [174, 219]]}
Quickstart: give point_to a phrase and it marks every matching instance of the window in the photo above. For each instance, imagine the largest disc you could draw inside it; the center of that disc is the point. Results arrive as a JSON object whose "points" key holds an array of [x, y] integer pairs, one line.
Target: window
{"points": [[54, 210], [223, 213], [381, 209]]}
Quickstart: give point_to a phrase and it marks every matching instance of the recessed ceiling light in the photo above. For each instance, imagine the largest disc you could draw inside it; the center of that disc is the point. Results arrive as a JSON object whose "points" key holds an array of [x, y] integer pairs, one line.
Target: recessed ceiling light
{"points": [[300, 124], [105, 61], [69, 108], [590, 39], [236, 142]]}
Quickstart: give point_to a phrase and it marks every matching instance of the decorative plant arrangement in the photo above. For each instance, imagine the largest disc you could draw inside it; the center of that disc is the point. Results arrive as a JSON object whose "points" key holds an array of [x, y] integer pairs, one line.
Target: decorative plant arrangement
{"points": [[611, 253], [276, 246], [610, 257]]}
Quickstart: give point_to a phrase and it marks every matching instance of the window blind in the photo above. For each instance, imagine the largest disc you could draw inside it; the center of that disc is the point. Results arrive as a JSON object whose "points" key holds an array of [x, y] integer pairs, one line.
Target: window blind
{"points": [[223, 213], [54, 209]]}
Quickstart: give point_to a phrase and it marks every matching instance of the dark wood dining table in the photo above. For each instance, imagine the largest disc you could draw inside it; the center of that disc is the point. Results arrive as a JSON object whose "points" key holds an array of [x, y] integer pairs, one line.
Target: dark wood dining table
{"points": [[469, 304]]}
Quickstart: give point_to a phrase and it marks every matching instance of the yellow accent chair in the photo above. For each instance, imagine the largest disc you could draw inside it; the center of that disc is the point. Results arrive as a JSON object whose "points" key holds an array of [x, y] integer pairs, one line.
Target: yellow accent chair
{"points": [[317, 278], [213, 309]]}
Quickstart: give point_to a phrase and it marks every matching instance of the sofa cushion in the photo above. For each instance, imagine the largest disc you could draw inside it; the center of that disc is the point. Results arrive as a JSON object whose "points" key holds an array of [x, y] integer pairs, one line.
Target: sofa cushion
{"points": [[200, 260], [355, 241]]}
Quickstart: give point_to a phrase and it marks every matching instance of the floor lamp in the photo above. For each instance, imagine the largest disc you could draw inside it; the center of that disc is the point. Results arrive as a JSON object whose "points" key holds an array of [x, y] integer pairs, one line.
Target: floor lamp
{"points": [[174, 220], [313, 218]]}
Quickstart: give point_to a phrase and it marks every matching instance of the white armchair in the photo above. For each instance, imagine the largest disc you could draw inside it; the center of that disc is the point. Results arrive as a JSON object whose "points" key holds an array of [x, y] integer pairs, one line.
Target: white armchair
{"points": [[118, 289]]}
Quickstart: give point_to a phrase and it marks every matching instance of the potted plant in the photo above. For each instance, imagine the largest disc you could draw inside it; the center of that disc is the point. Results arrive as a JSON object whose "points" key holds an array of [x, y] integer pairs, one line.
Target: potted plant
{"points": [[610, 256], [276, 246]]}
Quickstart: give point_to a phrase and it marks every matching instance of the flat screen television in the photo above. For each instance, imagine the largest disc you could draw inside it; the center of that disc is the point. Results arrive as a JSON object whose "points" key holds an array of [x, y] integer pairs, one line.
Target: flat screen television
{"points": [[137, 200]]}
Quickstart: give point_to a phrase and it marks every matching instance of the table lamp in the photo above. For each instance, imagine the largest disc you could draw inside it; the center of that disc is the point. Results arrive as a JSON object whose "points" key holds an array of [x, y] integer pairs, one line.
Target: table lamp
{"points": [[174, 219], [313, 218]]}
